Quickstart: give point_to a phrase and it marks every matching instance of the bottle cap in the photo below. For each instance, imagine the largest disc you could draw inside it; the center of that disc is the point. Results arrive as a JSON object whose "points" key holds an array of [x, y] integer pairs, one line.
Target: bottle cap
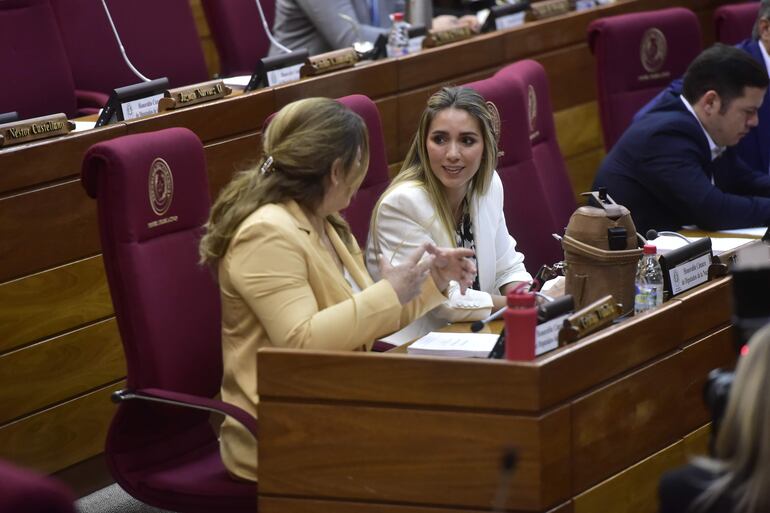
{"points": [[520, 297], [397, 16], [650, 249]]}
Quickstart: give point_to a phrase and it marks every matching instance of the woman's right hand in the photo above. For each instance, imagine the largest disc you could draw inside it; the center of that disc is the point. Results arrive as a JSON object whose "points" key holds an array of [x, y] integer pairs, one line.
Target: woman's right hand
{"points": [[407, 278]]}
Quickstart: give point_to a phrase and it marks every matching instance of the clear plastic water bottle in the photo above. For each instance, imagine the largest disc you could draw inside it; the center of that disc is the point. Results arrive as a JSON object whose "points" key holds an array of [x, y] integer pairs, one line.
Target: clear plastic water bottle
{"points": [[398, 39], [649, 281]]}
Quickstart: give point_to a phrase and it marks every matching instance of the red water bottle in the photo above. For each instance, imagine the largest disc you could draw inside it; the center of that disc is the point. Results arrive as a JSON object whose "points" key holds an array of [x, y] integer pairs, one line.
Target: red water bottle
{"points": [[520, 321]]}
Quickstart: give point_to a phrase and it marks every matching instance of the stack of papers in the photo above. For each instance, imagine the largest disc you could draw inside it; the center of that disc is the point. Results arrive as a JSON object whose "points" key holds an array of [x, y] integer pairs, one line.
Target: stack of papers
{"points": [[463, 345], [719, 245]]}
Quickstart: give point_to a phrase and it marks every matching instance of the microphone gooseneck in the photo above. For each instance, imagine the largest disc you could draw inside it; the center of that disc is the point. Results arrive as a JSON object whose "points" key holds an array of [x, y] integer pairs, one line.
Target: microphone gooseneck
{"points": [[120, 45], [268, 33], [479, 325], [654, 234]]}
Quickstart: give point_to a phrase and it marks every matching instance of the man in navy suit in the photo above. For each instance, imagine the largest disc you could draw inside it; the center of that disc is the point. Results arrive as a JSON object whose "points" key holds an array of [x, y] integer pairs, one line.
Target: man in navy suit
{"points": [[677, 166], [751, 148]]}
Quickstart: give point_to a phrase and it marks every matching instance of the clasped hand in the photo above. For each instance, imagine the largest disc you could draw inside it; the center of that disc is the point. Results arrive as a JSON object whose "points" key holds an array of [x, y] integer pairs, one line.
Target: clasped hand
{"points": [[442, 264]]}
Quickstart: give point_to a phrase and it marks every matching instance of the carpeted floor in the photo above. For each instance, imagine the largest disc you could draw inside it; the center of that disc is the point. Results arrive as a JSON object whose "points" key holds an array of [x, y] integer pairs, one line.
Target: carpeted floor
{"points": [[113, 499]]}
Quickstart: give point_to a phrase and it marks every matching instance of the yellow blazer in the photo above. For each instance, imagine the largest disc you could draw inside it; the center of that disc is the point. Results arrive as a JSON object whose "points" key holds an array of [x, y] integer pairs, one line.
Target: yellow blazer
{"points": [[281, 288]]}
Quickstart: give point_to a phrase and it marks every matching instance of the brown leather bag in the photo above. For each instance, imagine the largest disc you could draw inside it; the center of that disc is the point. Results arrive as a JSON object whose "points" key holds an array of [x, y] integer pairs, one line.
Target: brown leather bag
{"points": [[593, 268]]}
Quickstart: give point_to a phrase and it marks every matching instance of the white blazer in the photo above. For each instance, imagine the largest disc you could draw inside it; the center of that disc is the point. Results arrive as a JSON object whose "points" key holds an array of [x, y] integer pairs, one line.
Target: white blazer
{"points": [[406, 218]]}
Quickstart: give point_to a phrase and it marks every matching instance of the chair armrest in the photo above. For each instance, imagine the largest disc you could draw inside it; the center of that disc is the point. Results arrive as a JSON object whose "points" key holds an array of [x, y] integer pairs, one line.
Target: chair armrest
{"points": [[189, 401], [90, 99]]}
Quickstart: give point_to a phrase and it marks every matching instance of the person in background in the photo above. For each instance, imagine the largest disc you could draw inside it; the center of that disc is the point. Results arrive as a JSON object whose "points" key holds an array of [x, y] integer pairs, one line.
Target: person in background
{"points": [[753, 149], [736, 479], [290, 272], [449, 194], [319, 27], [676, 166]]}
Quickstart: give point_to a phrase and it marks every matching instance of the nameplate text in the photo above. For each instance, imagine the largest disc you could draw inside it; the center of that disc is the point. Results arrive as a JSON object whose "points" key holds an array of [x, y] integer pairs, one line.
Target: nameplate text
{"points": [[443, 37], [193, 94], [548, 9], [330, 61], [689, 274], [34, 129], [142, 107]]}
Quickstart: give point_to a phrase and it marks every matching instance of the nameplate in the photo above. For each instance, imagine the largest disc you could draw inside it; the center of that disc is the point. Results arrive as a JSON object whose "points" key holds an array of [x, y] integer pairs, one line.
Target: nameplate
{"points": [[34, 129], [509, 20], [141, 107], [417, 34], [548, 9], [277, 70], [547, 335], [582, 5], [330, 61], [592, 318], [501, 17], [193, 94], [686, 267], [442, 37]]}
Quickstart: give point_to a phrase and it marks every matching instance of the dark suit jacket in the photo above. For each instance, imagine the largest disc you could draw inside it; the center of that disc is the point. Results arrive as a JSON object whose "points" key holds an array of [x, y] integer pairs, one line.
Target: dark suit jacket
{"points": [[661, 170], [755, 154], [680, 487]]}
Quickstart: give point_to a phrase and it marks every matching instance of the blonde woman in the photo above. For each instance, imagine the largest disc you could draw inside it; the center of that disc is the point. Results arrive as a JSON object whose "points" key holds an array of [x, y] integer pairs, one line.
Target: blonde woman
{"points": [[289, 270], [737, 480], [449, 194]]}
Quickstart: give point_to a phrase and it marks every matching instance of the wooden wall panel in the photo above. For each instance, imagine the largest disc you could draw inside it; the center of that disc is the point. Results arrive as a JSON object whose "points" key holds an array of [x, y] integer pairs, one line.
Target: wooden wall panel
{"points": [[61, 436], [225, 158], [60, 368], [578, 129], [571, 76], [207, 43], [59, 226], [635, 490], [288, 505], [631, 408], [29, 164], [582, 171], [708, 306], [697, 442], [388, 108], [52, 302], [440, 458]]}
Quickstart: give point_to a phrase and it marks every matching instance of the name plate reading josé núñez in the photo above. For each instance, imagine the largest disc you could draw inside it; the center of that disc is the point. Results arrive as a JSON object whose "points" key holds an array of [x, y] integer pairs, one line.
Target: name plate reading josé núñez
{"points": [[33, 129], [193, 94], [329, 61], [592, 318], [441, 37], [548, 9]]}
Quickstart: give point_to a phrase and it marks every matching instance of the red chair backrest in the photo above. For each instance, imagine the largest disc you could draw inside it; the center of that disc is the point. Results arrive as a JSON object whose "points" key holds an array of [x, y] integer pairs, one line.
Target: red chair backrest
{"points": [[525, 206], [238, 33], [36, 75], [734, 23], [637, 55], [23, 490], [160, 39]]}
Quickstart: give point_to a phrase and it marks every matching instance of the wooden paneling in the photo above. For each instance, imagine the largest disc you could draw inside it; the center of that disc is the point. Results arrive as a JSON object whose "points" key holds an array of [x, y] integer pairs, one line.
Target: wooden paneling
{"points": [[578, 129], [59, 226], [207, 43], [60, 436], [388, 108], [582, 171], [59, 368], [635, 490], [225, 158], [632, 408], [570, 76], [287, 505], [715, 350], [35, 163], [707, 307], [697, 442], [440, 458], [53, 301]]}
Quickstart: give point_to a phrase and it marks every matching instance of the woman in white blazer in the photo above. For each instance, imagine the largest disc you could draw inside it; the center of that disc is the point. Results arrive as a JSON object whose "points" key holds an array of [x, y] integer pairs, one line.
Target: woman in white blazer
{"points": [[449, 193]]}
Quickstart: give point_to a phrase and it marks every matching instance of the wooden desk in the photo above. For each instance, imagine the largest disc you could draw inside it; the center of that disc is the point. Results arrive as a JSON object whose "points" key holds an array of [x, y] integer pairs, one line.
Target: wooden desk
{"points": [[60, 354], [594, 423]]}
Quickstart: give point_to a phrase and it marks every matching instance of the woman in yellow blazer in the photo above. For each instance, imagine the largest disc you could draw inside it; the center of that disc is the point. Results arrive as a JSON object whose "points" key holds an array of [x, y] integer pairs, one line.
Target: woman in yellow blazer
{"points": [[291, 273]]}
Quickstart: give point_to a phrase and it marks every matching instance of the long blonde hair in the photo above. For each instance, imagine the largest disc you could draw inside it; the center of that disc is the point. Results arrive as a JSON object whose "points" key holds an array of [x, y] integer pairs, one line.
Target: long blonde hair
{"points": [[416, 166], [742, 452], [303, 140]]}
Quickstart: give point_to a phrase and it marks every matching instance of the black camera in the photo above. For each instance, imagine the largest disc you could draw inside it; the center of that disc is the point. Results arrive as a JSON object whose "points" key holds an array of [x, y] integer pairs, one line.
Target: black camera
{"points": [[751, 311]]}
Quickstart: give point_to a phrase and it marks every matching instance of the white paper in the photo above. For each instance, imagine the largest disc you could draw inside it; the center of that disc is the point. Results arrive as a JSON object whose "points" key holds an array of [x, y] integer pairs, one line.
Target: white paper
{"points": [[241, 81], [757, 232], [81, 126], [719, 245], [466, 345]]}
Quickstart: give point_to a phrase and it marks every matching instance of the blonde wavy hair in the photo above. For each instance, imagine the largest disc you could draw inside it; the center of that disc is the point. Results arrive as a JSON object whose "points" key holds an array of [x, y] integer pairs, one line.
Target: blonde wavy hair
{"points": [[416, 166], [303, 140], [742, 452]]}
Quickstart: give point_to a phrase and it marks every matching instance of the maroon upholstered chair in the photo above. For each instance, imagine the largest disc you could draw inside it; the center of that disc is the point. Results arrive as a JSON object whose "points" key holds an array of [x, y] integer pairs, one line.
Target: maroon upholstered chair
{"points": [[359, 212], [734, 23], [160, 39], [549, 162], [637, 55], [525, 206], [152, 198], [237, 31], [28, 492], [36, 74]]}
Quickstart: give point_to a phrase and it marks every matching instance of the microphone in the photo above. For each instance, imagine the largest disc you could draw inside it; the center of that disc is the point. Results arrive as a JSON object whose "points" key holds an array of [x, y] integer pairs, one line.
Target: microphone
{"points": [[653, 234], [267, 30], [120, 45], [479, 325]]}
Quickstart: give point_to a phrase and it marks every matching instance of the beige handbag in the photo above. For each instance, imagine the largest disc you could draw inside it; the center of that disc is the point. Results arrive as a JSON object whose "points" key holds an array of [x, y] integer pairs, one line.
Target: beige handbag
{"points": [[601, 253]]}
